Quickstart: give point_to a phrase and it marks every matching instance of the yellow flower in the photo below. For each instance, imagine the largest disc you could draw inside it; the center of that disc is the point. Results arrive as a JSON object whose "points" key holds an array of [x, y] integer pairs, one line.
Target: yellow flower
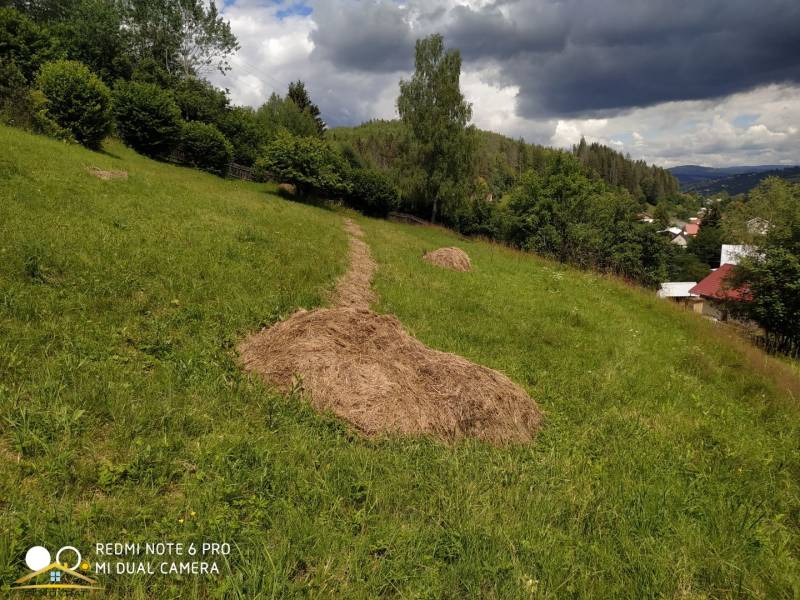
{"points": [[180, 520], [194, 514]]}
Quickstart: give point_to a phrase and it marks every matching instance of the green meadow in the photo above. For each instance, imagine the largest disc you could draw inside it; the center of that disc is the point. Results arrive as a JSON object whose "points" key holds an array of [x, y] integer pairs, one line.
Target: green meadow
{"points": [[668, 465]]}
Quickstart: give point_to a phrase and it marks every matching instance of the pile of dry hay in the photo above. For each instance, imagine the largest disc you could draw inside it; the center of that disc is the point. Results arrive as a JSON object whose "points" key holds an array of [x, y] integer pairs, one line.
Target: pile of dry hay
{"points": [[106, 175], [449, 258], [368, 370]]}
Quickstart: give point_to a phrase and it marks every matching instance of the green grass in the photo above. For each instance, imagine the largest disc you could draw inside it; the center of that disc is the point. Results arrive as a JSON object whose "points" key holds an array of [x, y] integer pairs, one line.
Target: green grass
{"points": [[668, 465]]}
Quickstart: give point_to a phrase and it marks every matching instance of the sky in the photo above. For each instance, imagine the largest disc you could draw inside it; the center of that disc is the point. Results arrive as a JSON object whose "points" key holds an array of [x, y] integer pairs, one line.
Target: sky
{"points": [[711, 82]]}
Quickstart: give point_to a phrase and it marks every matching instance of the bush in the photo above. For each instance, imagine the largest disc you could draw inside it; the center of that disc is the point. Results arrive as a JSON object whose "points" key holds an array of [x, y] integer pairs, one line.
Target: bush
{"points": [[203, 146], [41, 122], [24, 43], [77, 100], [11, 80], [147, 118], [281, 113], [307, 162], [198, 100], [240, 126], [372, 193], [16, 101]]}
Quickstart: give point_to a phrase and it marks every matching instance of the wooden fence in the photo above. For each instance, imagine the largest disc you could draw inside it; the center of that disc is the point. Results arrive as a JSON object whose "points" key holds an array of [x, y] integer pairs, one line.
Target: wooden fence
{"points": [[777, 344], [235, 171], [240, 172], [406, 218]]}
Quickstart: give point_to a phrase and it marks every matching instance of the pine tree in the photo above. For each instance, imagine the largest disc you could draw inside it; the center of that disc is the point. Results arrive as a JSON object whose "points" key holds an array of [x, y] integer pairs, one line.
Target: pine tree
{"points": [[299, 95]]}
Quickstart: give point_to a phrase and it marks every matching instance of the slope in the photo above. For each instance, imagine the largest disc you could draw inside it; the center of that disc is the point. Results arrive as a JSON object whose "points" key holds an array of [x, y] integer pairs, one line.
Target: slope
{"points": [[668, 462]]}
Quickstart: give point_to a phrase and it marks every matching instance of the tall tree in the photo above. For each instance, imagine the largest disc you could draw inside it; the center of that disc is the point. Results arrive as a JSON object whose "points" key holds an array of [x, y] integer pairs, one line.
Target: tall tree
{"points": [[707, 244], [772, 273], [186, 37], [299, 95], [205, 39], [279, 113], [93, 33], [436, 114], [23, 43]]}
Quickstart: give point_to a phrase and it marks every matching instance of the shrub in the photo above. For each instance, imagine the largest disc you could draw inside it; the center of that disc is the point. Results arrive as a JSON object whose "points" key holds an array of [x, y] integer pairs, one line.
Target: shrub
{"points": [[16, 102], [11, 80], [198, 100], [240, 126], [307, 162], [371, 193], [147, 118], [24, 43], [41, 121], [76, 99], [205, 147], [281, 113]]}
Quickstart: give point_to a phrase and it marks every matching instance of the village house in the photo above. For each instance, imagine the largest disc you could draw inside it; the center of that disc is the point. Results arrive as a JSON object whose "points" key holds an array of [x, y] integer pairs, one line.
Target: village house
{"points": [[680, 293], [691, 229], [716, 290], [710, 296], [680, 240], [757, 226], [672, 230]]}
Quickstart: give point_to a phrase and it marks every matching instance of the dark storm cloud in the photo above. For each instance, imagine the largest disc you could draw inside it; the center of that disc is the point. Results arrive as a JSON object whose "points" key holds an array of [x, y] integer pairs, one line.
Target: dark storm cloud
{"points": [[489, 34], [369, 36], [582, 57]]}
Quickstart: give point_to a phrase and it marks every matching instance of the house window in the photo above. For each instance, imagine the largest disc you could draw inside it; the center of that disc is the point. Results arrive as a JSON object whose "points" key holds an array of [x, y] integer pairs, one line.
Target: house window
{"points": [[55, 576]]}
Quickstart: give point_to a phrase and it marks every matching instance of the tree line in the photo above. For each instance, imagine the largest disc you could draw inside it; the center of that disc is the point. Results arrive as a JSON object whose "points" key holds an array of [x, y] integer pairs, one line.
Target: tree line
{"points": [[646, 183], [82, 69]]}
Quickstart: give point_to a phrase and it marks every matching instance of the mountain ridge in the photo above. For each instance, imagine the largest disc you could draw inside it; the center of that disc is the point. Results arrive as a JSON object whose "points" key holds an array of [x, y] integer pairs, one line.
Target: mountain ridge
{"points": [[688, 174]]}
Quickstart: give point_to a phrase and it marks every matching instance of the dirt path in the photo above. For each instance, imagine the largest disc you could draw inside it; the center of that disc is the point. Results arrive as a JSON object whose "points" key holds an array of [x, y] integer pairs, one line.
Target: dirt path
{"points": [[353, 288], [367, 369]]}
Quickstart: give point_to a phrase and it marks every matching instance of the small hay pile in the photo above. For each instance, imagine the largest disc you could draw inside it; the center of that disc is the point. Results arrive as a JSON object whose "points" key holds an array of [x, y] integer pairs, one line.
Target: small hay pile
{"points": [[287, 189], [366, 369], [107, 175], [449, 258]]}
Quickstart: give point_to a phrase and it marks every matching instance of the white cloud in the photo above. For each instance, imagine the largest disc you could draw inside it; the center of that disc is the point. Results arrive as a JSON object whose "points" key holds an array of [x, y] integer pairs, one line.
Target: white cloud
{"points": [[273, 51], [758, 126], [703, 132]]}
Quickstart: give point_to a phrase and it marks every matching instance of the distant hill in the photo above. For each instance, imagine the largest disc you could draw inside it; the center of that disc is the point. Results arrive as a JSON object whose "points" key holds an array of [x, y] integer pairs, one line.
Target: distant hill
{"points": [[739, 183], [691, 174], [500, 160]]}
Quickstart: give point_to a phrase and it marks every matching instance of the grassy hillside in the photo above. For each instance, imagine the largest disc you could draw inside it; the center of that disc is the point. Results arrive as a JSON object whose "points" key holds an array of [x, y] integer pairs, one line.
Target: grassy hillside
{"points": [[668, 465]]}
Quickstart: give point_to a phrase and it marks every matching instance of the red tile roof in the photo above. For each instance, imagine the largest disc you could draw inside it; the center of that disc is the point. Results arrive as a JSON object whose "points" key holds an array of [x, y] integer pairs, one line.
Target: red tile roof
{"points": [[692, 228], [714, 286]]}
